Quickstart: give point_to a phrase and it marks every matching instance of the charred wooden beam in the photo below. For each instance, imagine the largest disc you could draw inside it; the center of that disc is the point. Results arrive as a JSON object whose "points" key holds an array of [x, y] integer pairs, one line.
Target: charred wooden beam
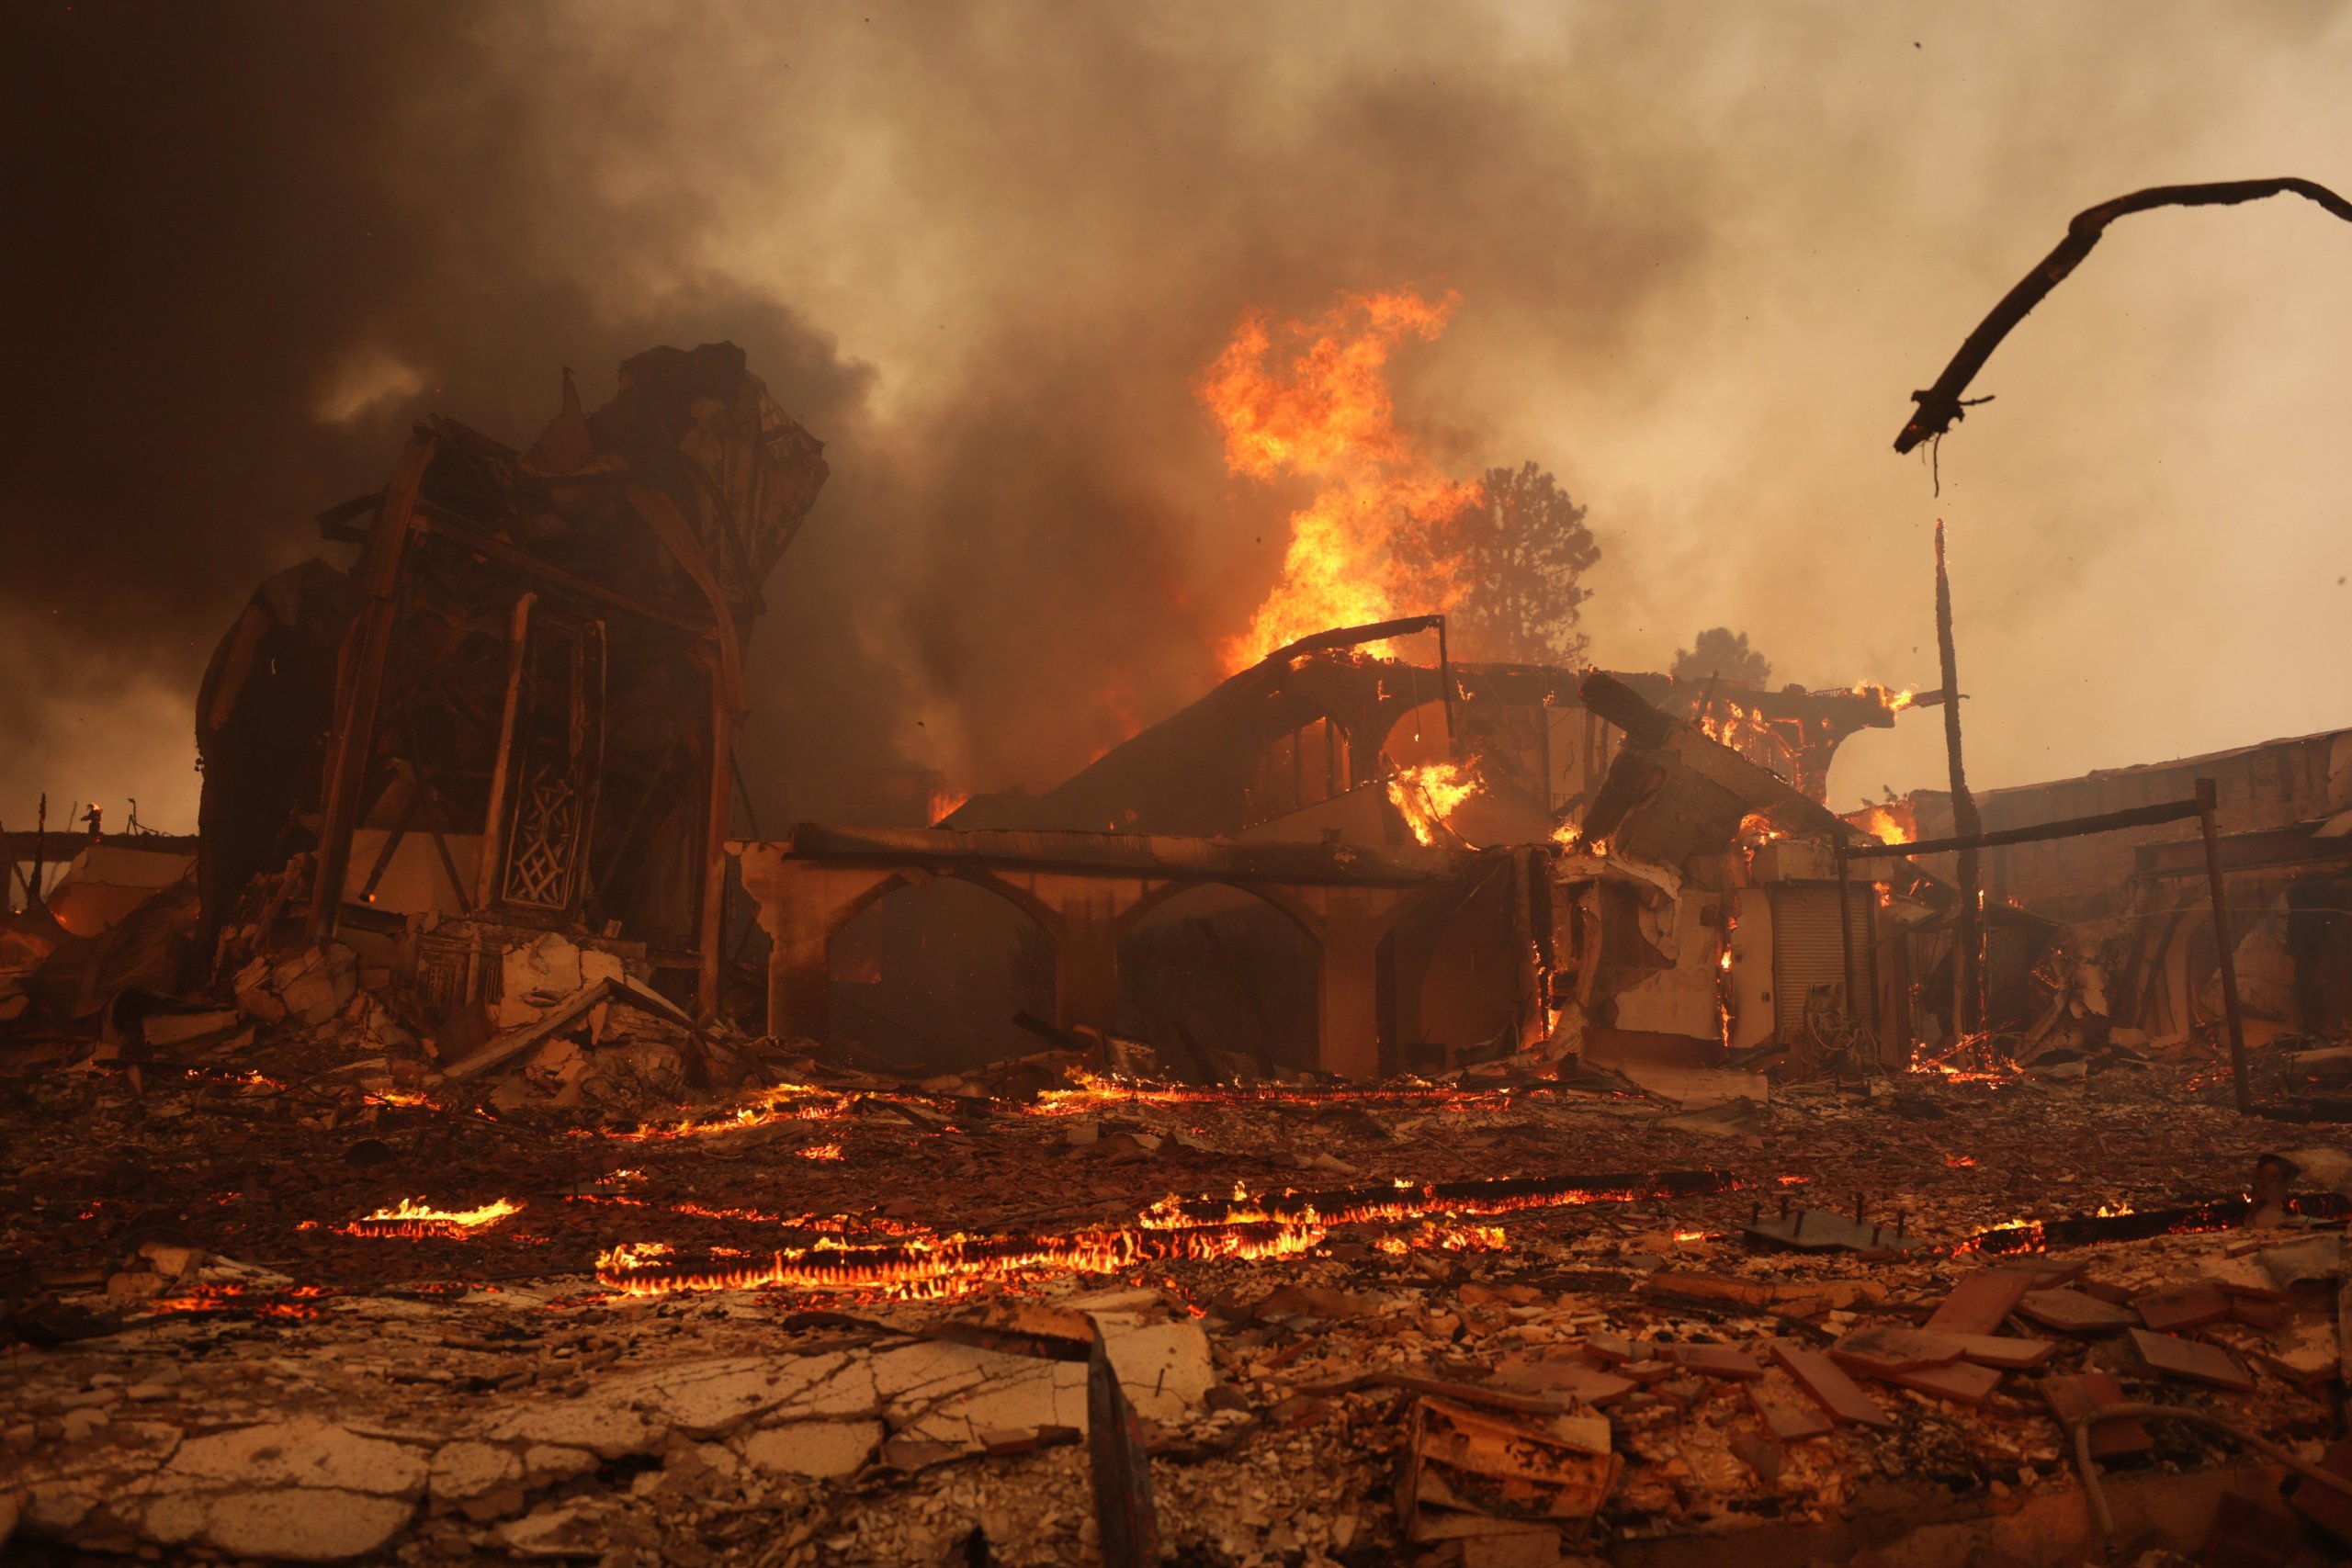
{"points": [[2068, 828], [2208, 797], [371, 645], [1940, 407]]}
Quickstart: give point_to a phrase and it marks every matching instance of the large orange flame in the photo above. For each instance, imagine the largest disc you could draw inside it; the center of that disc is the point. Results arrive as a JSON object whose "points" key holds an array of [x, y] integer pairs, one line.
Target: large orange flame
{"points": [[1427, 796], [1311, 398], [1885, 826]]}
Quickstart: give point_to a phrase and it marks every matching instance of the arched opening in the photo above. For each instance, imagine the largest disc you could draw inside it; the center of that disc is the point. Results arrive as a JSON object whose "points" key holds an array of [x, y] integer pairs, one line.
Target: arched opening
{"points": [[1455, 983], [1220, 982], [931, 974], [1419, 737]]}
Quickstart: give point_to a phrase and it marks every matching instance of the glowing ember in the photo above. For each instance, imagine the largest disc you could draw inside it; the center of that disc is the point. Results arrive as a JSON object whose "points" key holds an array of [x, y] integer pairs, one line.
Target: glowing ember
{"points": [[822, 1151], [1428, 795], [782, 1102], [1375, 541], [413, 1217]]}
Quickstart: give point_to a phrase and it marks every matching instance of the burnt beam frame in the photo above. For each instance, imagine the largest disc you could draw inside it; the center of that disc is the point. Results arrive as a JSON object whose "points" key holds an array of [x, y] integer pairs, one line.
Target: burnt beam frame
{"points": [[2202, 807]]}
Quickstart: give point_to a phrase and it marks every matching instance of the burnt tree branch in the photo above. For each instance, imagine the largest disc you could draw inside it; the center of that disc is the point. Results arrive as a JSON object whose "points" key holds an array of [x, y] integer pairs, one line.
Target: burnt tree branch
{"points": [[1939, 406]]}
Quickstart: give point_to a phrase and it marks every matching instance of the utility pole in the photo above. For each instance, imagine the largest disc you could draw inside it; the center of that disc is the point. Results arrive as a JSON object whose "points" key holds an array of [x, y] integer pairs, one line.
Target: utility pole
{"points": [[1967, 986]]}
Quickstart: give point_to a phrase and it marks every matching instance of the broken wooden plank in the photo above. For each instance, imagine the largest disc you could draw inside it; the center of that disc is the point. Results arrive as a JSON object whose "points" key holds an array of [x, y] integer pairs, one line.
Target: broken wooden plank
{"points": [[1962, 1380], [2075, 1311], [1567, 1379], [2071, 1396], [2191, 1359], [2192, 1305], [1615, 1349], [1881, 1351], [1789, 1418], [508, 1046], [1714, 1361], [1825, 1230], [1829, 1386], [1980, 1304], [2010, 1355]]}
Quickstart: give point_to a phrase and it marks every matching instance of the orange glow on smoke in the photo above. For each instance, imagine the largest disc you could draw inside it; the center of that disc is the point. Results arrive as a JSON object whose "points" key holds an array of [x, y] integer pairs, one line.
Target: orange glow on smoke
{"points": [[1428, 795], [413, 1217], [1312, 399]]}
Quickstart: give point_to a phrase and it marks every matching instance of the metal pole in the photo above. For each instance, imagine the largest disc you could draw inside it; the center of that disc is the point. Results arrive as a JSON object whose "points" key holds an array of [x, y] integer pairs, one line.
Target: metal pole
{"points": [[1966, 939], [2208, 797]]}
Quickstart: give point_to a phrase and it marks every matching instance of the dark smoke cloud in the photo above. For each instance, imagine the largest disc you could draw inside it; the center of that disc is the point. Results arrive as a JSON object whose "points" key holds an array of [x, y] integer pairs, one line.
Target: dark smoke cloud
{"points": [[984, 252]]}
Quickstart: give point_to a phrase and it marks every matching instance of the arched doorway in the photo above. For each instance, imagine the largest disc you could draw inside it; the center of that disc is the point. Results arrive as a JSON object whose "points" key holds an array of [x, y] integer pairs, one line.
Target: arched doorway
{"points": [[1215, 972], [931, 974], [1454, 979]]}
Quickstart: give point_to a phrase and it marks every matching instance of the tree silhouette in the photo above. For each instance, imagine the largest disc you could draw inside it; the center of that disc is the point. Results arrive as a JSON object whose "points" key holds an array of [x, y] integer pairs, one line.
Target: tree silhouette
{"points": [[1525, 550], [1721, 653]]}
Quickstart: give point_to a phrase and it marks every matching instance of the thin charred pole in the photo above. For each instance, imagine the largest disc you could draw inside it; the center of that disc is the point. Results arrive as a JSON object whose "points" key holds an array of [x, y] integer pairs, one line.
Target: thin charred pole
{"points": [[1967, 933], [2224, 942]]}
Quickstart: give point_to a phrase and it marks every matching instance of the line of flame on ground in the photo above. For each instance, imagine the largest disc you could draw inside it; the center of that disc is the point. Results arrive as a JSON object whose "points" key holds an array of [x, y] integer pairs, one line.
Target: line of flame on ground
{"points": [[1093, 1091], [413, 1217], [2124, 1223], [1241, 1225], [776, 1104]]}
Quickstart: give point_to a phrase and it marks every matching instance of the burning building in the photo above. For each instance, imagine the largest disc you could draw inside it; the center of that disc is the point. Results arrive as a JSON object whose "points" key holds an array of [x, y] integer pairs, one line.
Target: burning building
{"points": [[1342, 860]]}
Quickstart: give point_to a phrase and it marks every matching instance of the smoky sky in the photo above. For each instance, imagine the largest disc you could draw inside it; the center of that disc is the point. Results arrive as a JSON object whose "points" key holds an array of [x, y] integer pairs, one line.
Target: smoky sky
{"points": [[1703, 255]]}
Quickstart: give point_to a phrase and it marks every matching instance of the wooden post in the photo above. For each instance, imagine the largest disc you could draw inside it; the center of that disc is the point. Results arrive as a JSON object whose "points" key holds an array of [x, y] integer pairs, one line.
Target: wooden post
{"points": [[493, 827], [716, 829], [1967, 935], [2207, 797]]}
